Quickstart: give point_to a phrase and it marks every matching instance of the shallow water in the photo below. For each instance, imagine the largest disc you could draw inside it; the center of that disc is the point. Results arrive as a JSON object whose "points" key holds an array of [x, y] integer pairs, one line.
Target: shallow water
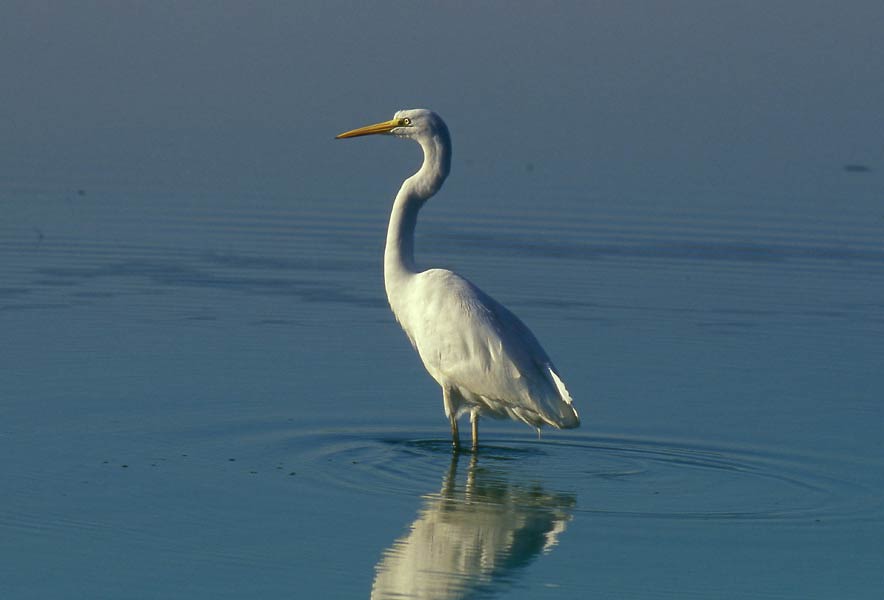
{"points": [[206, 396]]}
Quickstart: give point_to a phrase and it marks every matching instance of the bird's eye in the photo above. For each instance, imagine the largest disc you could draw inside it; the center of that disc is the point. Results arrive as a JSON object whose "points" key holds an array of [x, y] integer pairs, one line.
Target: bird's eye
{"points": [[405, 122]]}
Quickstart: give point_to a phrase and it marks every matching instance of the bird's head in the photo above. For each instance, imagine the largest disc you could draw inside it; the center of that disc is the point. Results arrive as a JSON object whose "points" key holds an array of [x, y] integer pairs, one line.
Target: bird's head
{"points": [[414, 123]]}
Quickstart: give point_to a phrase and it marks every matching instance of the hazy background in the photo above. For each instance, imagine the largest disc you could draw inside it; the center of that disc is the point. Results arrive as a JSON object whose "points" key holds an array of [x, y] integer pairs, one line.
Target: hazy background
{"points": [[611, 95]]}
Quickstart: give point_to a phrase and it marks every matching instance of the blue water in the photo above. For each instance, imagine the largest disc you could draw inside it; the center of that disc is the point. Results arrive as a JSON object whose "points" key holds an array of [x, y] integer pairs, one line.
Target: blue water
{"points": [[205, 395]]}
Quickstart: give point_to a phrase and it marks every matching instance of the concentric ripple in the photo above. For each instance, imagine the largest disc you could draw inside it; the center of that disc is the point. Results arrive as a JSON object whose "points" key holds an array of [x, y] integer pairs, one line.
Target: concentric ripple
{"points": [[611, 475]]}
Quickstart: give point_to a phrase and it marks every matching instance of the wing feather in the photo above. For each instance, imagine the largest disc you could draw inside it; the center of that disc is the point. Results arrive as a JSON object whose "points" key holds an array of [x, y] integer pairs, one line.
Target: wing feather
{"points": [[478, 348]]}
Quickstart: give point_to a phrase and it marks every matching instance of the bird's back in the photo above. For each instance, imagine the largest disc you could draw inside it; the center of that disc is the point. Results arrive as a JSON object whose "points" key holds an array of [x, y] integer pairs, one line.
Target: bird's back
{"points": [[480, 351]]}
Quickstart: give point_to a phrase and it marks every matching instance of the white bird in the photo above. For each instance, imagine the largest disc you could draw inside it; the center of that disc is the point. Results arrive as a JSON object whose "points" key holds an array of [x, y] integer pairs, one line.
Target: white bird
{"points": [[486, 360]]}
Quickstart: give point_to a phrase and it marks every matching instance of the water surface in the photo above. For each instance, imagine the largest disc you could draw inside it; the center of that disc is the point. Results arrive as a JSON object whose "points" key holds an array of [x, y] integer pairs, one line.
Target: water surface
{"points": [[205, 395]]}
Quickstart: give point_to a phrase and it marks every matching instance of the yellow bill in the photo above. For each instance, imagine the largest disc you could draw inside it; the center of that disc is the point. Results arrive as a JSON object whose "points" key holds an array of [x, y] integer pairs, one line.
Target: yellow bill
{"points": [[384, 127]]}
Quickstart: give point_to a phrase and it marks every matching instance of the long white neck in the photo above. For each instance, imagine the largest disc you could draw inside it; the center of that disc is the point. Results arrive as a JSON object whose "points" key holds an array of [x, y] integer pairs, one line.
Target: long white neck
{"points": [[399, 265]]}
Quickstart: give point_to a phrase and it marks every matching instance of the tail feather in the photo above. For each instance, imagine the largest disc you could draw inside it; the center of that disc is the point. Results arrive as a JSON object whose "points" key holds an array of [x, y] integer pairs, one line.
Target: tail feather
{"points": [[568, 414]]}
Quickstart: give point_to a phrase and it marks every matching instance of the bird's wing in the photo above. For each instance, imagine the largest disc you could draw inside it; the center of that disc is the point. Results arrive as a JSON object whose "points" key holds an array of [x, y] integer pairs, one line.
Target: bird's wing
{"points": [[482, 351]]}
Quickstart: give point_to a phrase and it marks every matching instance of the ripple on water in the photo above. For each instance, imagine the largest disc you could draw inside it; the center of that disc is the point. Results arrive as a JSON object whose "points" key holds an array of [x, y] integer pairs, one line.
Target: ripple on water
{"points": [[617, 476]]}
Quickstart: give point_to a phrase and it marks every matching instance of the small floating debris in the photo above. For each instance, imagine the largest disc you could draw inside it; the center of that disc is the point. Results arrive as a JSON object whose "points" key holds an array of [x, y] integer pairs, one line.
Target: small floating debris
{"points": [[857, 168]]}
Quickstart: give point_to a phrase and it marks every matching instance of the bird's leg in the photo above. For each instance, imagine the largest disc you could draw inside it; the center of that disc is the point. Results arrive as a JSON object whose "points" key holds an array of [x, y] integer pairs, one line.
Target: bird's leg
{"points": [[474, 423], [452, 416], [455, 437]]}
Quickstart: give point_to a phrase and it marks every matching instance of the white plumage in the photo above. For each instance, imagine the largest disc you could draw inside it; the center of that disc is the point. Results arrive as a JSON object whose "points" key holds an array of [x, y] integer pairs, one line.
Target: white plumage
{"points": [[484, 358]]}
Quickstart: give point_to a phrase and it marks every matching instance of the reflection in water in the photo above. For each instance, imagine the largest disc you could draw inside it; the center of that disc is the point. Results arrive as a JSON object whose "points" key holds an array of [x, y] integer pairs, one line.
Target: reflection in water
{"points": [[472, 537]]}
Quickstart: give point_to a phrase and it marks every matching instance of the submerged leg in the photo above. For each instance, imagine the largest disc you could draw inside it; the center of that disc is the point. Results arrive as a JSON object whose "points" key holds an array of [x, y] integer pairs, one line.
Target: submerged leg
{"points": [[474, 422]]}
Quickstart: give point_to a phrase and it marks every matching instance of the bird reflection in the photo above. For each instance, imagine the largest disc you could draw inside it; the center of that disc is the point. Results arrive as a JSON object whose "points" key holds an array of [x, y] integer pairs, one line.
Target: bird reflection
{"points": [[472, 538]]}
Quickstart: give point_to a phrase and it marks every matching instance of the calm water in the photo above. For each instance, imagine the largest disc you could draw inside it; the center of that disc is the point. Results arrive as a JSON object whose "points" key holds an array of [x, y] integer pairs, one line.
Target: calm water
{"points": [[205, 396]]}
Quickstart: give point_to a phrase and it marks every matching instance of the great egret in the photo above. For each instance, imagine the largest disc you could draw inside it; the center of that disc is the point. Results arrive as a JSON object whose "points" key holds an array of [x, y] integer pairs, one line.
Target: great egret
{"points": [[486, 360]]}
